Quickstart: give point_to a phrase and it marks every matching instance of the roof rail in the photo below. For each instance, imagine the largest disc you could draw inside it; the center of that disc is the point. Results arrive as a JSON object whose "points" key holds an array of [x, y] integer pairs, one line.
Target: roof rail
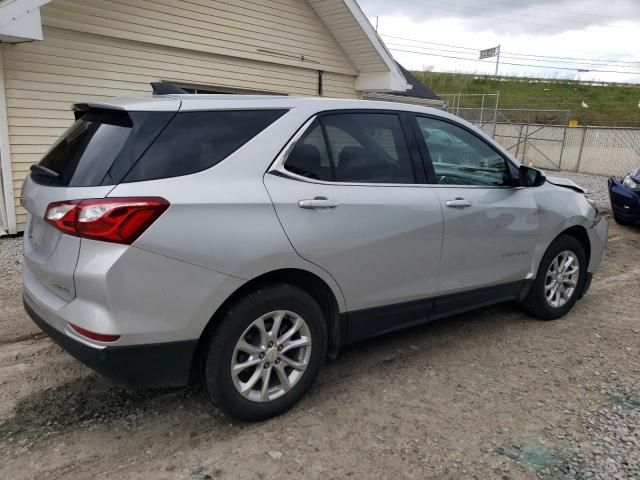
{"points": [[163, 88]]}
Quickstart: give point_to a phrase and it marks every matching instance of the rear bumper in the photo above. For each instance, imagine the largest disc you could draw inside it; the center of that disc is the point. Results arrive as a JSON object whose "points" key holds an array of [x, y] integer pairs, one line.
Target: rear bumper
{"points": [[160, 364]]}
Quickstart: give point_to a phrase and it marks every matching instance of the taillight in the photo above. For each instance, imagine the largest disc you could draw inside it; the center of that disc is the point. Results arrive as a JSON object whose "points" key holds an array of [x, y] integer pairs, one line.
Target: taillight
{"points": [[62, 215], [100, 337], [118, 220]]}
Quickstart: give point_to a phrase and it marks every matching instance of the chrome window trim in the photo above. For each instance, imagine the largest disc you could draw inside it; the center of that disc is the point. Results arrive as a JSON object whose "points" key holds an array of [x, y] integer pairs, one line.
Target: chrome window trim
{"points": [[277, 167]]}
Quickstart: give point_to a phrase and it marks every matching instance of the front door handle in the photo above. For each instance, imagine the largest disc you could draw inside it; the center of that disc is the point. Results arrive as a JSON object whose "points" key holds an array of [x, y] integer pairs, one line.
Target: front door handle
{"points": [[318, 202], [459, 202]]}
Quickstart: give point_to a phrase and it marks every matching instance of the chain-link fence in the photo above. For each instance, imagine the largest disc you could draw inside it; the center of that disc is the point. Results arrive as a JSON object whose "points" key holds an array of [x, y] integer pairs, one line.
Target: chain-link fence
{"points": [[602, 150]]}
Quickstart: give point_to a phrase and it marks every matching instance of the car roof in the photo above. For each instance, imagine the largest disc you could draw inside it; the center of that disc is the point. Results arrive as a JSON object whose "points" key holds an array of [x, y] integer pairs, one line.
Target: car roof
{"points": [[192, 102], [310, 105]]}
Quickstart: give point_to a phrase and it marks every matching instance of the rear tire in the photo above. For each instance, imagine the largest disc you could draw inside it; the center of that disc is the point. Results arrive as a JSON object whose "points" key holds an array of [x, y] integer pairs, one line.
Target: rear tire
{"points": [[253, 332], [553, 293]]}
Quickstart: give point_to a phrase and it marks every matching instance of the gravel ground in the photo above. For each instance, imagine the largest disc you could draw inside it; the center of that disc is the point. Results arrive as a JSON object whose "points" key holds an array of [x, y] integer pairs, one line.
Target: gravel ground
{"points": [[10, 258], [595, 185], [13, 324], [491, 394]]}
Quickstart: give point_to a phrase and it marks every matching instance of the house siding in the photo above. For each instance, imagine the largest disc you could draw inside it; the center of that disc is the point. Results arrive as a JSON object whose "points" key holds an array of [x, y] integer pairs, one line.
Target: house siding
{"points": [[257, 30], [107, 48]]}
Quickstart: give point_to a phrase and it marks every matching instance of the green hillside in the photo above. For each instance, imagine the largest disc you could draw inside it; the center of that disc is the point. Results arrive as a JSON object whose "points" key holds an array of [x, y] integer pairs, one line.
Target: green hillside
{"points": [[609, 105]]}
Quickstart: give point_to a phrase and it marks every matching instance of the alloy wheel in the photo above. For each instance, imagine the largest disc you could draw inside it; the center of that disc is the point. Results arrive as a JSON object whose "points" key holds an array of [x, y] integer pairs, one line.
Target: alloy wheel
{"points": [[561, 279], [271, 356]]}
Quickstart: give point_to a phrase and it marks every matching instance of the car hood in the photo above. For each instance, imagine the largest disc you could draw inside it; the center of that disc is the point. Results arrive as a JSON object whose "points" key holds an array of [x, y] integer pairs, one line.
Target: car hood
{"points": [[567, 183]]}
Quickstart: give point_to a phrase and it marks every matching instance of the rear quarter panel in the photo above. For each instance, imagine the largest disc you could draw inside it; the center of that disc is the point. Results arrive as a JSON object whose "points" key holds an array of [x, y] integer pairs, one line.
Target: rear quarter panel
{"points": [[222, 218]]}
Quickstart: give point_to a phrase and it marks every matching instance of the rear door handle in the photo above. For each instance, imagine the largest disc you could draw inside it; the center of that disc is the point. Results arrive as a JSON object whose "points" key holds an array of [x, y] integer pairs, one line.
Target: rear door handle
{"points": [[459, 202], [318, 202]]}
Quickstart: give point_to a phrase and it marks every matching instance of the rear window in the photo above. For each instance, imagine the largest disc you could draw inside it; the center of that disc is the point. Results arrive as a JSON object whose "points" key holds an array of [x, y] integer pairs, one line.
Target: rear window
{"points": [[107, 147], [195, 141], [100, 147]]}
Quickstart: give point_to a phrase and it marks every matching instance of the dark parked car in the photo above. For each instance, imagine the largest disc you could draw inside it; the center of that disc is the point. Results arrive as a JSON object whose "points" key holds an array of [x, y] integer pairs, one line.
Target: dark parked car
{"points": [[625, 198]]}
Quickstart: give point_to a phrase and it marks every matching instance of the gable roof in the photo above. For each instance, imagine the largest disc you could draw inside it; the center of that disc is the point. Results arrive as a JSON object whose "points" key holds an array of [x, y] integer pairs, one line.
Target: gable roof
{"points": [[372, 63], [418, 94], [418, 89], [348, 24]]}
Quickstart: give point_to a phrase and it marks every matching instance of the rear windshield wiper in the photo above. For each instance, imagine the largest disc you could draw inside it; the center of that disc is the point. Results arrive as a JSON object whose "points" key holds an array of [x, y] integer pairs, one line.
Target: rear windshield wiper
{"points": [[45, 172]]}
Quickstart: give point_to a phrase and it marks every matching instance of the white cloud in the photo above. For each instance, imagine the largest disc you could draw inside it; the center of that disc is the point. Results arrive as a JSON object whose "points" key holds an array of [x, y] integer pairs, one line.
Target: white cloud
{"points": [[616, 39]]}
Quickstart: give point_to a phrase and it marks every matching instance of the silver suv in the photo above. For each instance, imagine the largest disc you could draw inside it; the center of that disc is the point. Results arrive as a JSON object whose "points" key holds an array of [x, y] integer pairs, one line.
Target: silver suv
{"points": [[240, 240]]}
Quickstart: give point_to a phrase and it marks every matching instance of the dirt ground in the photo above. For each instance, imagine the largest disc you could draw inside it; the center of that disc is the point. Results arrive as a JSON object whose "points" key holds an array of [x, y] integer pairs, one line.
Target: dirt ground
{"points": [[489, 394]]}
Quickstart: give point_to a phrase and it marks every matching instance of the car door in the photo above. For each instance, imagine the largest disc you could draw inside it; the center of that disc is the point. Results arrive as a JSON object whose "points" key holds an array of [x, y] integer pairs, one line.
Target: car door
{"points": [[347, 195], [491, 224]]}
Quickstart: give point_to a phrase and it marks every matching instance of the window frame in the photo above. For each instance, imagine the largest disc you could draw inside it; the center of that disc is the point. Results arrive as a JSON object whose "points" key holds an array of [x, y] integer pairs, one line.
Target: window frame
{"points": [[417, 165], [432, 180]]}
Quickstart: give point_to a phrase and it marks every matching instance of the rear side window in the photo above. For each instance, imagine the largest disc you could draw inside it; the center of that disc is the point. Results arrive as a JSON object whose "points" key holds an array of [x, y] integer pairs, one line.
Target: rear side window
{"points": [[195, 141], [98, 140], [357, 148], [310, 157]]}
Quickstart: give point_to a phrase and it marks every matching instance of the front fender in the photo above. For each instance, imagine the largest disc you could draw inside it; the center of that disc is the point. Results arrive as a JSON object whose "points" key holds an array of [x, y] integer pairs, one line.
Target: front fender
{"points": [[560, 210], [598, 237]]}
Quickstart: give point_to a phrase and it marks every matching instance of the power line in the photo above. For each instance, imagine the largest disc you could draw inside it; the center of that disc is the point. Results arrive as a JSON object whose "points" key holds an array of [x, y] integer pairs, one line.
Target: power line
{"points": [[551, 67], [609, 61], [431, 43], [518, 57], [509, 53]]}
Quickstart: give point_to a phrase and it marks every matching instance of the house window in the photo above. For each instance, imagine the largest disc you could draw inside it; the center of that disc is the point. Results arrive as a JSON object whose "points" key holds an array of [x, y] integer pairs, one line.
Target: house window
{"points": [[209, 89]]}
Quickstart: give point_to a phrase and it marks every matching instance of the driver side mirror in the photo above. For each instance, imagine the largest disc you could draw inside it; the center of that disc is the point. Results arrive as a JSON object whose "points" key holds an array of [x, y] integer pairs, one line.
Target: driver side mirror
{"points": [[531, 177]]}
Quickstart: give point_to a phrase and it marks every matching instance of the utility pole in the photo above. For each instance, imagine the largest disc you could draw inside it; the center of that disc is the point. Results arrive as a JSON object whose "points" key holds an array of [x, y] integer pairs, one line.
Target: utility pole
{"points": [[497, 59], [376, 23]]}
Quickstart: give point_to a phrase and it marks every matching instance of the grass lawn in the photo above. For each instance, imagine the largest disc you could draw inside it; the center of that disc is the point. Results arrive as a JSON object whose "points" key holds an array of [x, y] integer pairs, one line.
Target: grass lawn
{"points": [[610, 105]]}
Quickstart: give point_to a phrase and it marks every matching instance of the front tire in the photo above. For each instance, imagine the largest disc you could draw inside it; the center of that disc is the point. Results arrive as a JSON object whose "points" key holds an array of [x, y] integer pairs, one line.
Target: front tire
{"points": [[561, 277], [266, 352], [622, 221]]}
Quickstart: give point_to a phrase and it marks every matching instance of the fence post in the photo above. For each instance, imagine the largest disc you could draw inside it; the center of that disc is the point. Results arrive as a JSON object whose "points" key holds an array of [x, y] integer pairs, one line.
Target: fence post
{"points": [[495, 114], [564, 140], [584, 134], [519, 141], [526, 139]]}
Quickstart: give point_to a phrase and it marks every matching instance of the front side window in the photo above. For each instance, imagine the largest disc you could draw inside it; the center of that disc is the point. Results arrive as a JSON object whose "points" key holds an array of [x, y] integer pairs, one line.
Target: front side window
{"points": [[355, 148], [461, 158]]}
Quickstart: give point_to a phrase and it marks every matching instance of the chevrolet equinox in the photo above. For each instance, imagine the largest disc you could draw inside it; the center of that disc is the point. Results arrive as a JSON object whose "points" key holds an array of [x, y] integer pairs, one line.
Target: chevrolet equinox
{"points": [[240, 240]]}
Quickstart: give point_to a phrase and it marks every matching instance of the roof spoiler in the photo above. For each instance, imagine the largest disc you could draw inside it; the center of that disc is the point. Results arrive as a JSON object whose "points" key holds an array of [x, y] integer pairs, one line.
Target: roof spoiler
{"points": [[163, 88]]}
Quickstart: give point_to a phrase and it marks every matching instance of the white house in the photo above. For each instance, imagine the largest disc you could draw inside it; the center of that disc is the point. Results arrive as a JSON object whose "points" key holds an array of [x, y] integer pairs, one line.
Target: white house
{"points": [[55, 52]]}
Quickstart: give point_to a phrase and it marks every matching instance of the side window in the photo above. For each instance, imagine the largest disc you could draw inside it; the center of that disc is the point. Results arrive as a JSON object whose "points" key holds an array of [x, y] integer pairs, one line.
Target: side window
{"points": [[195, 141], [309, 157], [360, 148], [461, 158], [368, 148]]}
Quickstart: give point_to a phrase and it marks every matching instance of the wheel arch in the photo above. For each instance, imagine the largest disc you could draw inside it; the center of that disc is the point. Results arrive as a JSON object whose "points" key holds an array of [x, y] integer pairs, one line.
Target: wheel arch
{"points": [[580, 234], [310, 282], [577, 231]]}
